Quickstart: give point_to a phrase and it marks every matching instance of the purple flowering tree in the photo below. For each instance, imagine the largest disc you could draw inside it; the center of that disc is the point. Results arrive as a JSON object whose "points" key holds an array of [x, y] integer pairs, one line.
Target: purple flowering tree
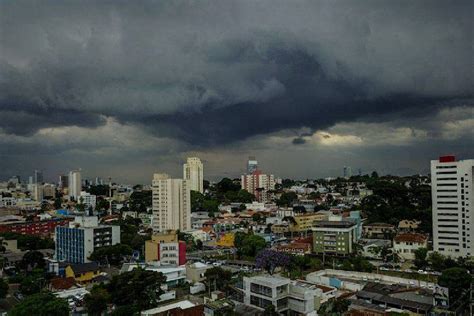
{"points": [[269, 260]]}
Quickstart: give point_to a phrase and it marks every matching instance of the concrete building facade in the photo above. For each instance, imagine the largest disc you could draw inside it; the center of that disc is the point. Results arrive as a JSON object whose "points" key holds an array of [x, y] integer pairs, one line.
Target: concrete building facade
{"points": [[193, 173], [453, 213], [171, 203], [76, 242]]}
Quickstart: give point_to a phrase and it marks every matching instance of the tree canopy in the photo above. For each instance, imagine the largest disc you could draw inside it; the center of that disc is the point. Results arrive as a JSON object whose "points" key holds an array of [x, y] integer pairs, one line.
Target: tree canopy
{"points": [[41, 304], [138, 288]]}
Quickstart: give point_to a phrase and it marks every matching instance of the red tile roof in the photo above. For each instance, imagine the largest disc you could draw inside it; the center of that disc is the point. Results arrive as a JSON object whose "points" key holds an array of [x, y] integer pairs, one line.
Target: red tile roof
{"points": [[411, 237]]}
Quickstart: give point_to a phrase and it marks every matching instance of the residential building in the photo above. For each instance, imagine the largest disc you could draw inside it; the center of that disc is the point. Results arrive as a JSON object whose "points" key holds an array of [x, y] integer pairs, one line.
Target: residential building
{"points": [[76, 242], [372, 248], [39, 228], [75, 184], [195, 271], [165, 248], [37, 193], [408, 225], [38, 178], [305, 222], [89, 200], [63, 181], [334, 237], [193, 173], [452, 194], [171, 203], [49, 191], [259, 184], [378, 230], [296, 248], [405, 244], [83, 273], [288, 297]]}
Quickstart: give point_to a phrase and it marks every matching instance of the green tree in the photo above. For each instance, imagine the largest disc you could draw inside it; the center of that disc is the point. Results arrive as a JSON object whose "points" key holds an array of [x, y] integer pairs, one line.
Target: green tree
{"points": [[457, 280], [111, 254], [32, 260], [139, 288], [96, 301], [287, 199], [57, 203], [437, 261], [217, 278], [252, 244], [3, 288], [41, 304], [420, 258], [334, 307]]}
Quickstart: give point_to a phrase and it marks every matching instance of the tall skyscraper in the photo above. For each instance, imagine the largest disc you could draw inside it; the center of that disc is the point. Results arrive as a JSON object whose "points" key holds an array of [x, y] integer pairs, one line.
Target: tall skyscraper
{"points": [[252, 165], [259, 184], [75, 184], [63, 181], [193, 173], [171, 203], [347, 173], [38, 178], [452, 187]]}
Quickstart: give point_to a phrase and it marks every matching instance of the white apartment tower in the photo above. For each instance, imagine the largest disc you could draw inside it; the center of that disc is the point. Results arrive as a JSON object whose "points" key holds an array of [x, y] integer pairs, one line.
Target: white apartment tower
{"points": [[171, 203], [75, 184], [193, 173], [453, 212]]}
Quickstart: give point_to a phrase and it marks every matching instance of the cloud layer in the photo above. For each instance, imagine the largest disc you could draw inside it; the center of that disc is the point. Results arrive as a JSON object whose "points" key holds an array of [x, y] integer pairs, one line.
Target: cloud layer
{"points": [[211, 75]]}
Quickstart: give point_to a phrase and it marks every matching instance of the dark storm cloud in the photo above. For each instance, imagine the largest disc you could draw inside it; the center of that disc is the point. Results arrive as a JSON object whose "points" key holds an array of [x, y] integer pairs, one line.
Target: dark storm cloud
{"points": [[213, 72]]}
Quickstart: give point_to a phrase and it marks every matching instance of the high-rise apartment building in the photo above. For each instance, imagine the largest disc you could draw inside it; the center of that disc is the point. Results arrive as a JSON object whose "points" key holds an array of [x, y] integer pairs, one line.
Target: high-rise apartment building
{"points": [[171, 203], [193, 173], [252, 165], [38, 178], [453, 213], [259, 184], [63, 181], [75, 184]]}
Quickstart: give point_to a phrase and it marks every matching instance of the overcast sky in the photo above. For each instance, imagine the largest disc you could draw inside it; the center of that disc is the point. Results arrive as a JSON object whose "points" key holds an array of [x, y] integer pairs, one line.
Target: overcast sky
{"points": [[128, 88]]}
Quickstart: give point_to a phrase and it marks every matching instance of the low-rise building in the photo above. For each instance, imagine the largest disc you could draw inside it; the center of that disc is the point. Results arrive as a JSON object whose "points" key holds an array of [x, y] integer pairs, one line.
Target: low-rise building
{"points": [[165, 248], [39, 228], [83, 273], [293, 297], [334, 237], [405, 244], [296, 248], [195, 271], [408, 225], [378, 231]]}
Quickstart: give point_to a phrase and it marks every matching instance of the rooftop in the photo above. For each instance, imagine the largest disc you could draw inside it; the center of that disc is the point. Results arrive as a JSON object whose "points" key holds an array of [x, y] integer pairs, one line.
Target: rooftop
{"points": [[410, 237], [334, 224]]}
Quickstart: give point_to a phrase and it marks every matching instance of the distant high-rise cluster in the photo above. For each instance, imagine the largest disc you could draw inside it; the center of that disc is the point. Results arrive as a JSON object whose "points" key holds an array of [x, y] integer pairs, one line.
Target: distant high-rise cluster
{"points": [[252, 165], [193, 172], [256, 182], [453, 213]]}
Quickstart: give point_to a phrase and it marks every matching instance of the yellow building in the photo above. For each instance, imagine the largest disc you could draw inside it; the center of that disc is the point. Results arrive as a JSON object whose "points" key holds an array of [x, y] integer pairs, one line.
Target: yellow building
{"points": [[304, 222], [83, 273], [226, 240], [152, 247]]}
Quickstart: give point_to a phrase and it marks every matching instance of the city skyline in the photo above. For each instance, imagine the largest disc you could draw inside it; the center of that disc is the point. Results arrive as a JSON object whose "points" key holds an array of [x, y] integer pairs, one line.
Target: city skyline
{"points": [[306, 89]]}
